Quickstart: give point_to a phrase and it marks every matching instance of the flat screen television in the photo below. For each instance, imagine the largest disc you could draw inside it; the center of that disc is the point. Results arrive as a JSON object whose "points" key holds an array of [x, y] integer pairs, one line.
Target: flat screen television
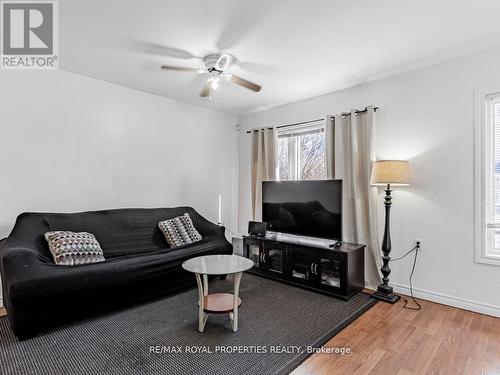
{"points": [[307, 208]]}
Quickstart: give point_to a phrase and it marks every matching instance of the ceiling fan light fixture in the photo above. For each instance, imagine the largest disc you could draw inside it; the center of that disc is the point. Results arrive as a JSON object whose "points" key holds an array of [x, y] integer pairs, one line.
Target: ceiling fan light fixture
{"points": [[214, 80], [222, 62]]}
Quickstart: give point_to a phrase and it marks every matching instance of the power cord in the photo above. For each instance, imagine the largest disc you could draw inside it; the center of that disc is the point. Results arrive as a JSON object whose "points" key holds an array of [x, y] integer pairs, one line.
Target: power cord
{"points": [[416, 249], [403, 256]]}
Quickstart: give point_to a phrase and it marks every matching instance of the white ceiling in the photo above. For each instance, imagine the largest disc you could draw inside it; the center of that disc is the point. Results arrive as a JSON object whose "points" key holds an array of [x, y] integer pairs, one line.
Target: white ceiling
{"points": [[294, 49]]}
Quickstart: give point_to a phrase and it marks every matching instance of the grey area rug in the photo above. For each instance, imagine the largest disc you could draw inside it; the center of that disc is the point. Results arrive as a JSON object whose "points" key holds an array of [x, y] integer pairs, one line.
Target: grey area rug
{"points": [[272, 314]]}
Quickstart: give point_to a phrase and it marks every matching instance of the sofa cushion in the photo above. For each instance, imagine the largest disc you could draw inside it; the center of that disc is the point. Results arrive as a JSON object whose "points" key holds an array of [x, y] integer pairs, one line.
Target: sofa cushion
{"points": [[70, 248], [179, 231]]}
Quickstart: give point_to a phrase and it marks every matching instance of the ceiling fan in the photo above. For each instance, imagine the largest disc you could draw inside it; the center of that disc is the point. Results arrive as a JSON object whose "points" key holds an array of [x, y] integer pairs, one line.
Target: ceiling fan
{"points": [[215, 66]]}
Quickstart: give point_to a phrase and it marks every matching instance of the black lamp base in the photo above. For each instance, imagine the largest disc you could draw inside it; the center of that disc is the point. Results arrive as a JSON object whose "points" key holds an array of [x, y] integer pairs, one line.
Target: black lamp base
{"points": [[384, 293]]}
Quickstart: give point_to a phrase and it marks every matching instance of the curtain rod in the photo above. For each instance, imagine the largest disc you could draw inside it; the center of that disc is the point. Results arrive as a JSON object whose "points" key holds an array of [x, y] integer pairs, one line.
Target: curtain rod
{"points": [[310, 121]]}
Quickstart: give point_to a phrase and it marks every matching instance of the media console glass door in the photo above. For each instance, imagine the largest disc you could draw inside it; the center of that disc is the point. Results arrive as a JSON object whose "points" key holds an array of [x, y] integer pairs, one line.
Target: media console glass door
{"points": [[254, 252], [268, 257], [274, 258], [302, 266], [329, 271], [321, 269]]}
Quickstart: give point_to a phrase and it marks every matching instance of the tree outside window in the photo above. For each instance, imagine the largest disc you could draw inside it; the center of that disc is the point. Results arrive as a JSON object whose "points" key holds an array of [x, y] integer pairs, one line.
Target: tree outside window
{"points": [[301, 154]]}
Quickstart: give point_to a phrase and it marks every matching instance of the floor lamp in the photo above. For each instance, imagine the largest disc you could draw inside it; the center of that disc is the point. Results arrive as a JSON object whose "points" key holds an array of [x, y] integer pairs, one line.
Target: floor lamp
{"points": [[388, 173]]}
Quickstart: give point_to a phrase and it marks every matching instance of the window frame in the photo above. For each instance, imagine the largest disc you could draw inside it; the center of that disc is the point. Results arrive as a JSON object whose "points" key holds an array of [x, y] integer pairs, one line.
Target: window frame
{"points": [[482, 116], [293, 133]]}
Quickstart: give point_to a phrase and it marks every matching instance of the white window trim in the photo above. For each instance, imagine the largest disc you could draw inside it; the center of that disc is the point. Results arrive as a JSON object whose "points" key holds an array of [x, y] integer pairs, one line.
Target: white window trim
{"points": [[293, 159], [480, 118]]}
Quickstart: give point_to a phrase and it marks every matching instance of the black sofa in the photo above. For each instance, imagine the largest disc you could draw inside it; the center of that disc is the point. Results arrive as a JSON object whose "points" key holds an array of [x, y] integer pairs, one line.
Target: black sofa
{"points": [[139, 265]]}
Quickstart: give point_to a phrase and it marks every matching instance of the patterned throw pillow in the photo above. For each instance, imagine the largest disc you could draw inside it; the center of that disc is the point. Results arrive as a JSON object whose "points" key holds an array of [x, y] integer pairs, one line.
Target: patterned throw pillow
{"points": [[179, 231], [71, 248]]}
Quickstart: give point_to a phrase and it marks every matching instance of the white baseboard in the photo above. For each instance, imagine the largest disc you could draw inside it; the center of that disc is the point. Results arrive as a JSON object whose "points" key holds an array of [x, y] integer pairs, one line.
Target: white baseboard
{"points": [[1, 302], [446, 299]]}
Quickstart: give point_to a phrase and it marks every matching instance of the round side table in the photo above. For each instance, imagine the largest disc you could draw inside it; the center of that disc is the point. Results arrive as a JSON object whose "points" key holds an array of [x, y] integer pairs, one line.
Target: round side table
{"points": [[217, 303]]}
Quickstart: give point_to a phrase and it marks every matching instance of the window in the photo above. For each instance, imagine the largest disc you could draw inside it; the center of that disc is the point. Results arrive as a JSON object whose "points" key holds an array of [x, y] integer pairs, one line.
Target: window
{"points": [[487, 179], [301, 153]]}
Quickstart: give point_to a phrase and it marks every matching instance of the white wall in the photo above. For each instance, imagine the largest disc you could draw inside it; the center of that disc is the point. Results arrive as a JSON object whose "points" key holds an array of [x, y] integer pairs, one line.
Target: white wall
{"points": [[425, 116], [72, 143]]}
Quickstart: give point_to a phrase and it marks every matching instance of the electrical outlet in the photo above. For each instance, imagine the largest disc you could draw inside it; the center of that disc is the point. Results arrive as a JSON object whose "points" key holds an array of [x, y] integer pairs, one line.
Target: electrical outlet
{"points": [[418, 243]]}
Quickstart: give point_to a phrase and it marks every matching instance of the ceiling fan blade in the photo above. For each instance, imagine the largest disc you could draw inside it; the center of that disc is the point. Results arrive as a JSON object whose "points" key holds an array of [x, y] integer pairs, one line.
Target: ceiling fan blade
{"points": [[206, 90], [156, 49], [243, 82], [181, 68]]}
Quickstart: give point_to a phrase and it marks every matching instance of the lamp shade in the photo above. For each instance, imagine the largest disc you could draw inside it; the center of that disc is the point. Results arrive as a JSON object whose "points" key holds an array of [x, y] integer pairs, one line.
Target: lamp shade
{"points": [[390, 172]]}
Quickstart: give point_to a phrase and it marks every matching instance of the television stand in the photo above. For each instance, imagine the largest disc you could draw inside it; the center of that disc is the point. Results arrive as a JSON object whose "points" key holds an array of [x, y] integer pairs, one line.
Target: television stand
{"points": [[337, 271]]}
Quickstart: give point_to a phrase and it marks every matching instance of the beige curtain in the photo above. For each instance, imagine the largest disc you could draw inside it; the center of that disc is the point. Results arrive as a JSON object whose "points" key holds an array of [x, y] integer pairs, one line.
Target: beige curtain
{"points": [[354, 156], [263, 166]]}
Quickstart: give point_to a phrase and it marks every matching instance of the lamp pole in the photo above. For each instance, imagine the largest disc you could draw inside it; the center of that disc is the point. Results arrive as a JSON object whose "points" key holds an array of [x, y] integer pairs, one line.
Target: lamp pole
{"points": [[384, 291]]}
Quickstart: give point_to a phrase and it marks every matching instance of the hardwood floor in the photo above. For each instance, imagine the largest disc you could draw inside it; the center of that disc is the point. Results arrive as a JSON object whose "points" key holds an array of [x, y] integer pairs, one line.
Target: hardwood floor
{"points": [[438, 339], [3, 312]]}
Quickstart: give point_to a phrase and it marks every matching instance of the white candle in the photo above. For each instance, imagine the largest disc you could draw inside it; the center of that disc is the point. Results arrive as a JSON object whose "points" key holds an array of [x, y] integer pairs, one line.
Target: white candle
{"points": [[220, 209]]}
